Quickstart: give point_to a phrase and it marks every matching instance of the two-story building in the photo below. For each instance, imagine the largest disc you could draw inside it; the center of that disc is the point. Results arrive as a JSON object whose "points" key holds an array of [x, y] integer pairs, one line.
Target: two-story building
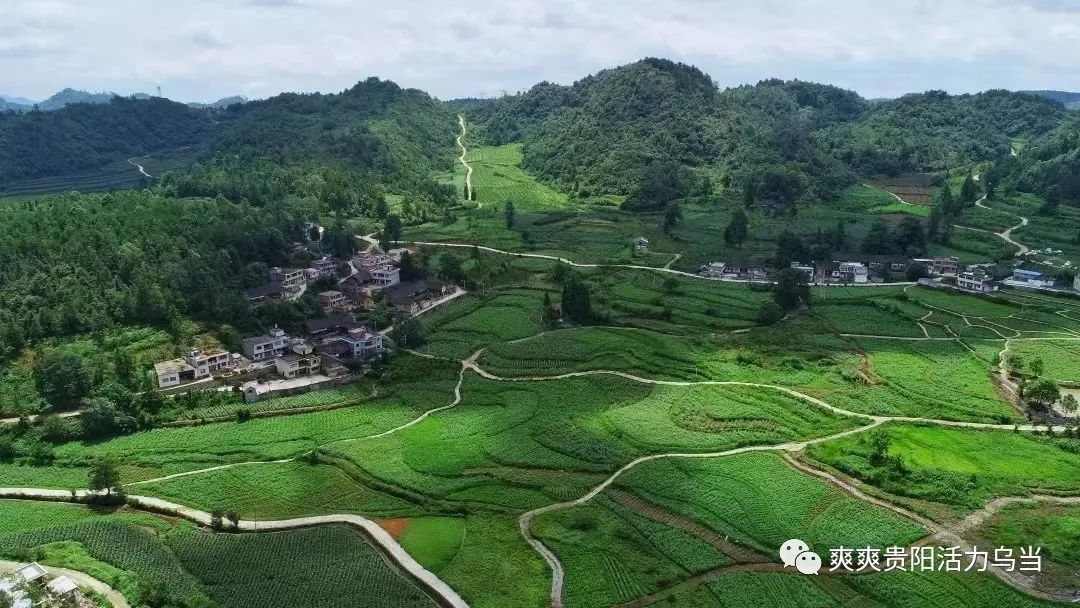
{"points": [[945, 267], [268, 346], [291, 279], [975, 280], [300, 359], [264, 293], [194, 365], [386, 276], [333, 300]]}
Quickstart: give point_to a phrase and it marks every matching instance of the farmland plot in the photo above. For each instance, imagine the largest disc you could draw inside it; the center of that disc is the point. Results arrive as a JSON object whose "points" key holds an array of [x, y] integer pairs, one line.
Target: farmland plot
{"points": [[331, 566], [959, 467]]}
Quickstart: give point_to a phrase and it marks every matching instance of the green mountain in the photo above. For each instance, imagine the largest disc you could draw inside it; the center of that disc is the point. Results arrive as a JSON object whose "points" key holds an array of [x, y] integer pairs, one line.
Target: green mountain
{"points": [[87, 136], [610, 132]]}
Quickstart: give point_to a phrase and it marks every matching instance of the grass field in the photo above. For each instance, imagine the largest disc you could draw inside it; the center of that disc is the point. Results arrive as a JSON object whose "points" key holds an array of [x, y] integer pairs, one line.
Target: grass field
{"points": [[433, 541], [959, 467]]}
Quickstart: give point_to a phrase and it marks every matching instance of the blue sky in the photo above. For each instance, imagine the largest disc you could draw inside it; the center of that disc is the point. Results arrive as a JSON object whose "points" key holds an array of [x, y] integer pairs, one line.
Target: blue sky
{"points": [[206, 49]]}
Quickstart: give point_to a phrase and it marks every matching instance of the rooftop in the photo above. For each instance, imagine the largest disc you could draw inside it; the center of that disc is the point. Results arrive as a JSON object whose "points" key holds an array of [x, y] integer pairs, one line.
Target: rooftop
{"points": [[174, 366]]}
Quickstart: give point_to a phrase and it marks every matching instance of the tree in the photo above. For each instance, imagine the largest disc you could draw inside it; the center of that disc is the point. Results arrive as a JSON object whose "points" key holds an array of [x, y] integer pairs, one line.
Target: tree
{"points": [[577, 300], [789, 248], [917, 271], [102, 418], [769, 313], [790, 290], [62, 378], [450, 268], [508, 210], [1042, 392], [550, 312], [664, 182], [233, 517], [878, 239], [409, 332], [737, 229], [409, 270], [838, 238], [215, 517], [909, 237], [969, 190], [672, 215], [392, 229], [1014, 363], [105, 475], [1069, 403], [1036, 366]]}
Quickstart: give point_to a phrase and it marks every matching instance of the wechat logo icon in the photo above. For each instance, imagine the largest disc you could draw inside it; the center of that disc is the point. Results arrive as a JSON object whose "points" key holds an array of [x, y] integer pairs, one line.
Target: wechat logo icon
{"points": [[798, 554]]}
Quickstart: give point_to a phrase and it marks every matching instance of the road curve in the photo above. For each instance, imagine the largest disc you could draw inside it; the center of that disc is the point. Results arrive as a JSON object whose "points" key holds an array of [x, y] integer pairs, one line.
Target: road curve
{"points": [[464, 163], [1007, 235], [448, 596]]}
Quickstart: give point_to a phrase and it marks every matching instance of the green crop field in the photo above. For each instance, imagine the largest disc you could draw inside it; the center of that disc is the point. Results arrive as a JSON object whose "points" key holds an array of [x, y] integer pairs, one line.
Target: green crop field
{"points": [[1053, 527], [498, 178], [460, 328], [1061, 358], [277, 491], [758, 501], [958, 467], [330, 566]]}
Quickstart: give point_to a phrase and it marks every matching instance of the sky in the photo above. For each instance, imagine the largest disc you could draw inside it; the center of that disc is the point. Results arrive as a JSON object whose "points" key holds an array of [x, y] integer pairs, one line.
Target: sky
{"points": [[202, 50]]}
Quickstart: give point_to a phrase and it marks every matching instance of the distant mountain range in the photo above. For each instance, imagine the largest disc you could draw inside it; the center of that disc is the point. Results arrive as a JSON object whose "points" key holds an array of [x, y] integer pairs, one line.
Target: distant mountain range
{"points": [[1069, 98], [69, 96]]}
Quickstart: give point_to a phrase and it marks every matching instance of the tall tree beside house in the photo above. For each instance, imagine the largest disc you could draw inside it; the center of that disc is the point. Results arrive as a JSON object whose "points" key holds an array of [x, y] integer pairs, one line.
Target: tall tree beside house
{"points": [[550, 312], [789, 248], [62, 378], [409, 269], [737, 229], [790, 290], [392, 229]]}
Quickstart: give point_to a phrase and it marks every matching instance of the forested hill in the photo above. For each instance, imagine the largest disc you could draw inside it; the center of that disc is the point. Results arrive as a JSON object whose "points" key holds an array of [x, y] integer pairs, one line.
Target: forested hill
{"points": [[607, 132], [87, 136], [374, 126]]}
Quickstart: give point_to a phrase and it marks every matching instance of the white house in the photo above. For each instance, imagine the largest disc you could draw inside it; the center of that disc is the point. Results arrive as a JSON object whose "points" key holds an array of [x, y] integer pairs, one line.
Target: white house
{"points": [[260, 348], [641, 244], [332, 300], [298, 360], [386, 276], [975, 280], [194, 365], [290, 278], [713, 270]]}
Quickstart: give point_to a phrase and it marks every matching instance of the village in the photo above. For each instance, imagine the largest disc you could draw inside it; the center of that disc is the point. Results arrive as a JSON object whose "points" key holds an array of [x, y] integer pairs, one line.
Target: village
{"points": [[330, 349]]}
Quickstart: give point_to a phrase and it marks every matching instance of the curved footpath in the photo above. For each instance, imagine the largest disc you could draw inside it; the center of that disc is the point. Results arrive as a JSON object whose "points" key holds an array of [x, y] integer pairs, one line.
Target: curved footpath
{"points": [[468, 167], [142, 170], [1007, 235], [81, 579], [448, 596]]}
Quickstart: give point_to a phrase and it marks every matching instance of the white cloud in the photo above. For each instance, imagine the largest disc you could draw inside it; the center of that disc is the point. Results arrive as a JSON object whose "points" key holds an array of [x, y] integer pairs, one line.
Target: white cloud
{"points": [[202, 49]]}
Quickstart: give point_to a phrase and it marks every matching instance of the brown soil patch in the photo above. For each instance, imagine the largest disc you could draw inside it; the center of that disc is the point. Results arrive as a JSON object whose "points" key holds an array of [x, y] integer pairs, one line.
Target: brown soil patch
{"points": [[395, 527]]}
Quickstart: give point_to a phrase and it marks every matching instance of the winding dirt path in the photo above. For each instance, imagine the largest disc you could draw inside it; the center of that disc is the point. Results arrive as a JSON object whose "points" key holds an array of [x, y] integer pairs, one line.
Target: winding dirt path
{"points": [[448, 596], [80, 578], [464, 163], [142, 170], [1007, 234]]}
